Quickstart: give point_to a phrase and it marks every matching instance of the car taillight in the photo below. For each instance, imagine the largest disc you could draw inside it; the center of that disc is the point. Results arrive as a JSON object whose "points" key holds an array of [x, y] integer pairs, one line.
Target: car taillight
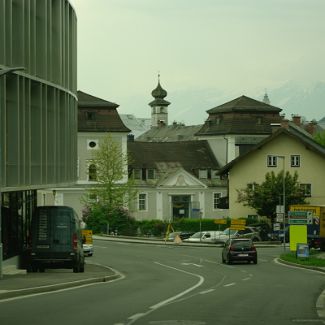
{"points": [[231, 248], [253, 248], [74, 241]]}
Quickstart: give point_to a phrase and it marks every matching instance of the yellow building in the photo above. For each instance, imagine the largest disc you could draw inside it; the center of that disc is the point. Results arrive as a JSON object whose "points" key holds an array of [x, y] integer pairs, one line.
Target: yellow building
{"points": [[288, 148]]}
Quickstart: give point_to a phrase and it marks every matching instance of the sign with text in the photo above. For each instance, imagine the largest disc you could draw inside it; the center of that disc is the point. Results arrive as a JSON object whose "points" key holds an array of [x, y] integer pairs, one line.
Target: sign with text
{"points": [[238, 224], [220, 221]]}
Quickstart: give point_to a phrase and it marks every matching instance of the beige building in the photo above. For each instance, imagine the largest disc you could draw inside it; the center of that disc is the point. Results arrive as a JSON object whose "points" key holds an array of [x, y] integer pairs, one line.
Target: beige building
{"points": [[175, 180], [97, 118], [289, 148]]}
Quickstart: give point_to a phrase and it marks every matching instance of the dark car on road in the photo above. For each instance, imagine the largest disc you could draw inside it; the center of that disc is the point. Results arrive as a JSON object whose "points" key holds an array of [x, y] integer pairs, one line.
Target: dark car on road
{"points": [[239, 249]]}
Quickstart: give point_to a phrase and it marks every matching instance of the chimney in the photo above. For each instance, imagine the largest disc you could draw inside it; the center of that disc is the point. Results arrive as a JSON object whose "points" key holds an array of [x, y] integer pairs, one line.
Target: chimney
{"points": [[275, 127], [130, 137], [296, 119], [285, 123], [311, 127]]}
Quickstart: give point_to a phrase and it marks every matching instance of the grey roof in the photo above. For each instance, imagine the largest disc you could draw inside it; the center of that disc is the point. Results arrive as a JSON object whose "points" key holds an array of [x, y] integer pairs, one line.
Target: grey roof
{"points": [[242, 115], [244, 104], [98, 115], [170, 133], [188, 154], [292, 131], [86, 100]]}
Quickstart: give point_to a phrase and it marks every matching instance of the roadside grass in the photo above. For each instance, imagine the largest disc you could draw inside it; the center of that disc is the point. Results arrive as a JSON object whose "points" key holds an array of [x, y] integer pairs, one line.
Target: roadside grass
{"points": [[312, 260]]}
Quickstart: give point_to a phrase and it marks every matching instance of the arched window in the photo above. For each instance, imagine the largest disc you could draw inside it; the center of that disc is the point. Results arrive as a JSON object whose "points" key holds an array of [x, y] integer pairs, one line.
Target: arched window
{"points": [[92, 172]]}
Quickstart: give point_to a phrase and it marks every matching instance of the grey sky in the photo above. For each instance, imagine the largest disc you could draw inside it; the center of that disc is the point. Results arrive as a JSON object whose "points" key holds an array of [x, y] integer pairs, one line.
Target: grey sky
{"points": [[233, 46]]}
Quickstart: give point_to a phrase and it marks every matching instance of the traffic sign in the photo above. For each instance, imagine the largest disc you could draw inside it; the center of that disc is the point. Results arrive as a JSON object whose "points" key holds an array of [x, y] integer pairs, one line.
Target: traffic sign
{"points": [[279, 217], [237, 227], [238, 222], [220, 221]]}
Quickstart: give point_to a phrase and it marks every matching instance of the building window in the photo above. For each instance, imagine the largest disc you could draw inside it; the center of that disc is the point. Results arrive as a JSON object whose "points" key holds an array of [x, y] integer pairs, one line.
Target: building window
{"points": [[142, 201], [137, 173], [151, 174], [203, 174], [91, 115], [252, 186], [216, 199], [271, 161], [92, 144], [306, 189], [92, 173], [295, 161]]}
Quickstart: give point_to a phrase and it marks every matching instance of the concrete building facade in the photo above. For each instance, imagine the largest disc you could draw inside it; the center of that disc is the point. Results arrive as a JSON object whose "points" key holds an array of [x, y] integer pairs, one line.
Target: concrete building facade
{"points": [[38, 109]]}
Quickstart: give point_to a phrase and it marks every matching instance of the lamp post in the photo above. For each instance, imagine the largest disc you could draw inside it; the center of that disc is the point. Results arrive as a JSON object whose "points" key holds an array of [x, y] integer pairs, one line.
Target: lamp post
{"points": [[284, 199], [2, 73]]}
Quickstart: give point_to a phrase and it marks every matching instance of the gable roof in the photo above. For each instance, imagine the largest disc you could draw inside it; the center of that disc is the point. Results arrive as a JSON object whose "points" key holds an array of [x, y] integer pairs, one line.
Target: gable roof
{"points": [[187, 154], [170, 133], [244, 104], [242, 115], [86, 100], [98, 115], [291, 131]]}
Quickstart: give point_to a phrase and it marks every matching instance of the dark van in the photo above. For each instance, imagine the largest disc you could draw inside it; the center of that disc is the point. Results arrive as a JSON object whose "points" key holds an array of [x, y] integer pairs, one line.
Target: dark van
{"points": [[56, 240]]}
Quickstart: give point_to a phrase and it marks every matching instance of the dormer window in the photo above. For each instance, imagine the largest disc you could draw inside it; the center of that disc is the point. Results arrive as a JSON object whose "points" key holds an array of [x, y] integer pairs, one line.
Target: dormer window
{"points": [[203, 173]]}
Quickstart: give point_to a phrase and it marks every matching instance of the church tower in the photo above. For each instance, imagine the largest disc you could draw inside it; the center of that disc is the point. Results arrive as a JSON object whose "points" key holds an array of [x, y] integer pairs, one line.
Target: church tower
{"points": [[159, 106], [266, 99]]}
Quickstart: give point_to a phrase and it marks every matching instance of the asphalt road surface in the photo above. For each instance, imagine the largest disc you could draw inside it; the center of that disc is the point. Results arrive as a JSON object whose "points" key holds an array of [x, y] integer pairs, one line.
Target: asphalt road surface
{"points": [[176, 285]]}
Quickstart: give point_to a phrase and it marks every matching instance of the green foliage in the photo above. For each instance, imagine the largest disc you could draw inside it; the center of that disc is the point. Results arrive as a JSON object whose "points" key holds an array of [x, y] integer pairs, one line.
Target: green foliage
{"points": [[104, 201], [266, 196], [313, 259], [320, 138], [99, 219]]}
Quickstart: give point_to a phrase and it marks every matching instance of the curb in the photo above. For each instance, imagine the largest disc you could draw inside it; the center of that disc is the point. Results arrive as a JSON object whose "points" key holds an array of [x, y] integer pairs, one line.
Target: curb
{"points": [[55, 287], [314, 268]]}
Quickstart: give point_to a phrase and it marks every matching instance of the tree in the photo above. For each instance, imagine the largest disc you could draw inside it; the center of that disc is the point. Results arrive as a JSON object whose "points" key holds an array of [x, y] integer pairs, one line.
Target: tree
{"points": [[266, 196], [320, 138], [110, 197]]}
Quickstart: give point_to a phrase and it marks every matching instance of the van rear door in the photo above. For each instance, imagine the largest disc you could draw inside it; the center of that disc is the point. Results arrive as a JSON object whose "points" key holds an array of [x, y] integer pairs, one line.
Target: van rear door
{"points": [[62, 226]]}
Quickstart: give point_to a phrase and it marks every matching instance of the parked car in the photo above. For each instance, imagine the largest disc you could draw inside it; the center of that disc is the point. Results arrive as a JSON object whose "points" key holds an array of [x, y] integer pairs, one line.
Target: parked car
{"points": [[211, 236], [88, 249], [182, 234], [239, 249], [248, 232], [87, 242], [56, 240]]}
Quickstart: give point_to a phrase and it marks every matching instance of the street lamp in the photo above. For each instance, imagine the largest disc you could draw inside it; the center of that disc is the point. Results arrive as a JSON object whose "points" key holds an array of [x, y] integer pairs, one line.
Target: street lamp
{"points": [[284, 199], [2, 73]]}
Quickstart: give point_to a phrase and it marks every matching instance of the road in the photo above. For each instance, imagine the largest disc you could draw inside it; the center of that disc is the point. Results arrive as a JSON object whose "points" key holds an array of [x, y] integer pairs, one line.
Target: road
{"points": [[176, 285]]}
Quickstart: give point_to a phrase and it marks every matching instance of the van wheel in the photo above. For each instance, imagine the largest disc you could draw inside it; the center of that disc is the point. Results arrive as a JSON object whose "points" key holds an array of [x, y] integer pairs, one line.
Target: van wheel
{"points": [[76, 268], [82, 268]]}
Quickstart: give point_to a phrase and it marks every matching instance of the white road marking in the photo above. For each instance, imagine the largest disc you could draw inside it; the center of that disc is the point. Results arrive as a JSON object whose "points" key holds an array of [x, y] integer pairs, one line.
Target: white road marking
{"points": [[136, 316], [246, 279], [171, 299], [192, 264], [229, 284], [206, 291]]}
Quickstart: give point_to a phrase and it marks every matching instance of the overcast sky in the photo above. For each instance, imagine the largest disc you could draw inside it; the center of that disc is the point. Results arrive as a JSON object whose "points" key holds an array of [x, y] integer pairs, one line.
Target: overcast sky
{"points": [[233, 47]]}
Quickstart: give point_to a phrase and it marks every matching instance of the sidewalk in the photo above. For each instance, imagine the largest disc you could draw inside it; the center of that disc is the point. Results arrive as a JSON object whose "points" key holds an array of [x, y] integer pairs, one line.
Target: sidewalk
{"points": [[52, 279]]}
